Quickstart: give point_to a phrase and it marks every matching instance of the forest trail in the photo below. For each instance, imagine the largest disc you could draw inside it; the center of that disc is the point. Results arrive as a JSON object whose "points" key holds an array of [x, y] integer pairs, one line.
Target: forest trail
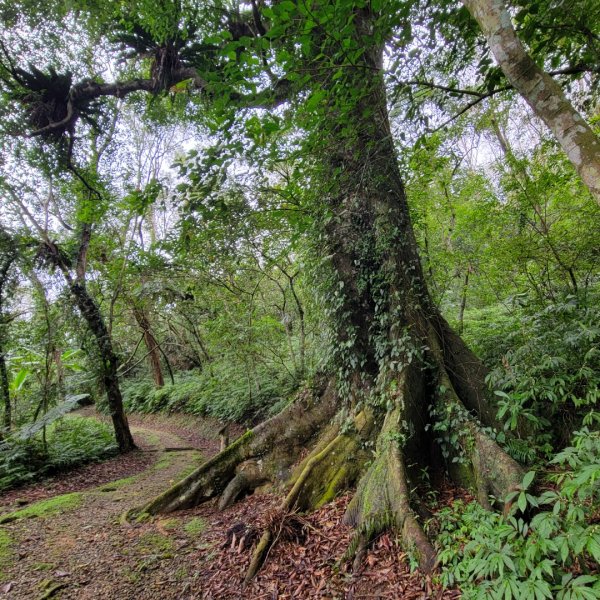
{"points": [[80, 547]]}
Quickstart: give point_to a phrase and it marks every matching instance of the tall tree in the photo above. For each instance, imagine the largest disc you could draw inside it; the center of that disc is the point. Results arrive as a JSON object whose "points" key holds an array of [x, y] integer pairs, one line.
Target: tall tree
{"points": [[8, 256], [74, 273], [543, 94], [397, 369]]}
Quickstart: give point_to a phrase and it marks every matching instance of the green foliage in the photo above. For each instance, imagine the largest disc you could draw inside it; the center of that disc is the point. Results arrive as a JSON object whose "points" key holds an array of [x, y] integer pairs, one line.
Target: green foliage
{"points": [[70, 442], [55, 413], [546, 368], [555, 555], [223, 392]]}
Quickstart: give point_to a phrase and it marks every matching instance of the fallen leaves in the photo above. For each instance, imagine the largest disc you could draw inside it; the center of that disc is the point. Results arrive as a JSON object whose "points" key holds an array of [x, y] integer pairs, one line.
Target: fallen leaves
{"points": [[305, 564], [101, 557]]}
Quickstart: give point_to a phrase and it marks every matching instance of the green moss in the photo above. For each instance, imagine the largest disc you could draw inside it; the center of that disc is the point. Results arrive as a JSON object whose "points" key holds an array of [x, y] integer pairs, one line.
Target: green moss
{"points": [[45, 508], [119, 483], [333, 487], [181, 573], [164, 462], [195, 527], [6, 543], [155, 543], [131, 575], [169, 524], [462, 472], [152, 438]]}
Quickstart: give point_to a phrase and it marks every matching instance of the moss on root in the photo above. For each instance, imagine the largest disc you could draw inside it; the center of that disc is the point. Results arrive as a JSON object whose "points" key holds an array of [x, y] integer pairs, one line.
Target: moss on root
{"points": [[337, 459], [216, 472]]}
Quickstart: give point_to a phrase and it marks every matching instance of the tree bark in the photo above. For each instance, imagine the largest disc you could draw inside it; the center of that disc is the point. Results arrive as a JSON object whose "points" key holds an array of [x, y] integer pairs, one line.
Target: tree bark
{"points": [[151, 345], [110, 363], [463, 300], [398, 366], [8, 254], [540, 91], [5, 392]]}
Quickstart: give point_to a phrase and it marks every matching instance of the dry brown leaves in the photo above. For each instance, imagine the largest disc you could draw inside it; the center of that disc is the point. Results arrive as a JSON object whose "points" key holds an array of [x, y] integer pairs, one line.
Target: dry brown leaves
{"points": [[303, 562], [86, 476]]}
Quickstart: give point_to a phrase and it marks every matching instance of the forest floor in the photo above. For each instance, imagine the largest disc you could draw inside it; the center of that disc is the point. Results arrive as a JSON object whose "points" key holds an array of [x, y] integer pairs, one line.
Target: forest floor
{"points": [[65, 537]]}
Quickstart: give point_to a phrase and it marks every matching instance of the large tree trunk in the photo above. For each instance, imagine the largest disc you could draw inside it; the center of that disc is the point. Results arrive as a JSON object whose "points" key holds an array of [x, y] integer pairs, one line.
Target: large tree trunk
{"points": [[93, 317], [539, 90], [398, 365]]}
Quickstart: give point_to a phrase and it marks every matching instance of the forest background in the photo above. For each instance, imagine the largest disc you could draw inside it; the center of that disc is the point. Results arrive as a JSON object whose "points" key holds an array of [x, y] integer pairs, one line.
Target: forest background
{"points": [[171, 221]]}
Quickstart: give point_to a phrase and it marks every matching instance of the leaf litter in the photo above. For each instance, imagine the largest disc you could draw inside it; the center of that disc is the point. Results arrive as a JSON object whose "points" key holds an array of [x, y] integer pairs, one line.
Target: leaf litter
{"points": [[201, 553]]}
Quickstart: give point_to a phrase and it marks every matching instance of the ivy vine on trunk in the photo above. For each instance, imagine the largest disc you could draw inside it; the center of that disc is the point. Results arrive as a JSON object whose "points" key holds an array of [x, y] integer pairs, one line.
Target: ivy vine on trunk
{"points": [[399, 372], [400, 379]]}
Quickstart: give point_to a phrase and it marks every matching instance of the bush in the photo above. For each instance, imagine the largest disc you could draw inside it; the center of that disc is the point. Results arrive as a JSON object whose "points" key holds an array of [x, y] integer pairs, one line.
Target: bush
{"points": [[222, 392], [77, 440], [554, 556], [70, 442], [545, 370]]}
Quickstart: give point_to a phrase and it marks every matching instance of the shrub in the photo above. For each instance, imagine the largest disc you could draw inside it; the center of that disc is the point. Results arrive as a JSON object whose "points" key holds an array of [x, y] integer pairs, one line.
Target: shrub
{"points": [[554, 556], [222, 391], [545, 370], [70, 442]]}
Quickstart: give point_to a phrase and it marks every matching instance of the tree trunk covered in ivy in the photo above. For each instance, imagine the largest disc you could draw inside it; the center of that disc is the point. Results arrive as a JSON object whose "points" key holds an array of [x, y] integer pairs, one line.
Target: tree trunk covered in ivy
{"points": [[109, 364], [400, 375]]}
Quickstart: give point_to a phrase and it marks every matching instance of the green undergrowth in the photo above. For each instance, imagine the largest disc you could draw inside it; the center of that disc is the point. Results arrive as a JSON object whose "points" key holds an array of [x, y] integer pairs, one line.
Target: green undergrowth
{"points": [[218, 392], [45, 508], [544, 369], [546, 547], [70, 442], [545, 372]]}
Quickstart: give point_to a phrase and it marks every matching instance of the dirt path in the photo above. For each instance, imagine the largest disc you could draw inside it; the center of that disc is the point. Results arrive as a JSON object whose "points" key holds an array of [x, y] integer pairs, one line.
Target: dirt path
{"points": [[77, 546]]}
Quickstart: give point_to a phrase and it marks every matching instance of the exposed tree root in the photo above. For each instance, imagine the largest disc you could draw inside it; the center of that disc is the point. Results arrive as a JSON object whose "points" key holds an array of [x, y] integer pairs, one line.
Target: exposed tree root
{"points": [[382, 499], [371, 449], [248, 477], [329, 466], [273, 445], [480, 461]]}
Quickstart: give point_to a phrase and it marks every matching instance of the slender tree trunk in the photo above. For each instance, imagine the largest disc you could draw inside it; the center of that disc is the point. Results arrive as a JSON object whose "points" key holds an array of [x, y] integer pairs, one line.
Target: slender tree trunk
{"points": [[8, 256], [543, 229], [540, 91], [151, 345], [93, 317], [463, 302], [5, 392], [302, 327]]}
